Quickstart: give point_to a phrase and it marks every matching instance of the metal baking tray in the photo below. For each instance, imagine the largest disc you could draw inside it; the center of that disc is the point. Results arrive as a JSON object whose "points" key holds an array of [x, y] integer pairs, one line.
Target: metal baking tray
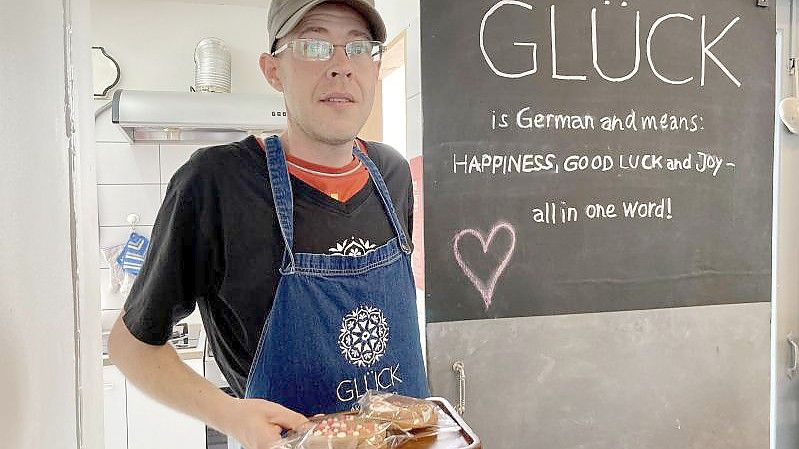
{"points": [[464, 439]]}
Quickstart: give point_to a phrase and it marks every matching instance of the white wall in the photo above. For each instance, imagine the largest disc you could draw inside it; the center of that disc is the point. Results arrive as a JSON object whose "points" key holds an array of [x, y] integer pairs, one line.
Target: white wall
{"points": [[154, 41], [399, 16], [394, 116], [39, 266]]}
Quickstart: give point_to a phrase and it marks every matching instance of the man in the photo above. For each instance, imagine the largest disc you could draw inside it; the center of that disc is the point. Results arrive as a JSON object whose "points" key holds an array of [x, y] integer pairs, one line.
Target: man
{"points": [[295, 249]]}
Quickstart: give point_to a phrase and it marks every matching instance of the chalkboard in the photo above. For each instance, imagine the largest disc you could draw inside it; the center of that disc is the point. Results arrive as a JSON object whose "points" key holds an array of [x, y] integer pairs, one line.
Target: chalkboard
{"points": [[596, 156]]}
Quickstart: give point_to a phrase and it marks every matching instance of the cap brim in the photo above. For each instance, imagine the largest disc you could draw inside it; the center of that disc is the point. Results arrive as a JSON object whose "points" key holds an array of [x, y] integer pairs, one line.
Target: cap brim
{"points": [[376, 24]]}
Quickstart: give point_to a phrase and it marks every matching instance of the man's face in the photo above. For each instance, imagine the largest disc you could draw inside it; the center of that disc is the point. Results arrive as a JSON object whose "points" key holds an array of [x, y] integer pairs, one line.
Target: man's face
{"points": [[329, 101]]}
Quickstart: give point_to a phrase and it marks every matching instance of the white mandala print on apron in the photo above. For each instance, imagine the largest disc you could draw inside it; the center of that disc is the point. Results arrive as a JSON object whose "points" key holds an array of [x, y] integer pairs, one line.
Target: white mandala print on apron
{"points": [[364, 336]]}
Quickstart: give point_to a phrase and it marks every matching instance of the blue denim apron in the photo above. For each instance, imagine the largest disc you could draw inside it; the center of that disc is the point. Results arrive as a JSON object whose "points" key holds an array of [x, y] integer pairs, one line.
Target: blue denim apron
{"points": [[339, 325]]}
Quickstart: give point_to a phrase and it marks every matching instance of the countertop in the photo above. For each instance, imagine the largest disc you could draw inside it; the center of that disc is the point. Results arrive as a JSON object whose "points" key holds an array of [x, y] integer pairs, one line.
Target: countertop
{"points": [[185, 354]]}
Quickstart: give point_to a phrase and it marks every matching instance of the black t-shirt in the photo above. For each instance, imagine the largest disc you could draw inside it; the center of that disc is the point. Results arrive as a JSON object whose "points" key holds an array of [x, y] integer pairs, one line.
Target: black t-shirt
{"points": [[217, 244]]}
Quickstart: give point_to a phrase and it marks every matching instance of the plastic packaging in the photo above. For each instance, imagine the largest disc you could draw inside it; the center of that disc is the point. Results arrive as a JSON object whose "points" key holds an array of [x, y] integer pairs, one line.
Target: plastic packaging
{"points": [[120, 281], [384, 421], [420, 417], [343, 431], [406, 413]]}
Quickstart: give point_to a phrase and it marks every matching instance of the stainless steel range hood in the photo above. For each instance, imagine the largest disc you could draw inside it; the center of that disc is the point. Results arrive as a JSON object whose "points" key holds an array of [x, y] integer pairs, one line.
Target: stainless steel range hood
{"points": [[162, 117]]}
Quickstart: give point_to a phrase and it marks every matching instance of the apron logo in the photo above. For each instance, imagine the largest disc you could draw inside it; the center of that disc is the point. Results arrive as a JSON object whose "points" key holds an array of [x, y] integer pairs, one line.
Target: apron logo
{"points": [[383, 380], [352, 247], [364, 336]]}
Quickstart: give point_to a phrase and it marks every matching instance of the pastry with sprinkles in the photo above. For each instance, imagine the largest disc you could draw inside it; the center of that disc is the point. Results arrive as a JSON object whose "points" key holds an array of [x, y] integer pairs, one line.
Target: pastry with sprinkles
{"points": [[345, 432]]}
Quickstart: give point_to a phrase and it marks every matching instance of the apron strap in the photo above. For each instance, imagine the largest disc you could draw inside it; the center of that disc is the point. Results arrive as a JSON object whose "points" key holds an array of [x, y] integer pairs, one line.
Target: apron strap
{"points": [[283, 198], [382, 189]]}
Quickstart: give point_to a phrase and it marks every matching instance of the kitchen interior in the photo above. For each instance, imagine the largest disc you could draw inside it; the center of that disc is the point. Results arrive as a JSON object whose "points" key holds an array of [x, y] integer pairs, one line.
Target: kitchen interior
{"points": [[145, 65], [171, 77]]}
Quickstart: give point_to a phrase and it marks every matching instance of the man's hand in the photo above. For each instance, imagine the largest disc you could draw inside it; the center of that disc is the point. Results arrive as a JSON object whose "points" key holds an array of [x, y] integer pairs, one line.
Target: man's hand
{"points": [[159, 372], [257, 424]]}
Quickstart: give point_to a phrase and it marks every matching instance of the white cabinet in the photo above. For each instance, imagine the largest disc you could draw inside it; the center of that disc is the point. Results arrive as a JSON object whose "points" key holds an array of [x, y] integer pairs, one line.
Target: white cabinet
{"points": [[134, 421], [114, 413], [155, 426]]}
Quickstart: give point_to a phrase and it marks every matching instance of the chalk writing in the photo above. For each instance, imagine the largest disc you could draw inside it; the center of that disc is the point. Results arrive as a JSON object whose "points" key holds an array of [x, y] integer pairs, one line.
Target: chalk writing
{"points": [[485, 288], [486, 163], [559, 213], [624, 141], [528, 119], [703, 56]]}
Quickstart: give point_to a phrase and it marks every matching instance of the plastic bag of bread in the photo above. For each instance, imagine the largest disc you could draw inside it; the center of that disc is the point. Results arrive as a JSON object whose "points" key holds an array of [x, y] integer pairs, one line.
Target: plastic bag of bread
{"points": [[344, 431], [418, 416]]}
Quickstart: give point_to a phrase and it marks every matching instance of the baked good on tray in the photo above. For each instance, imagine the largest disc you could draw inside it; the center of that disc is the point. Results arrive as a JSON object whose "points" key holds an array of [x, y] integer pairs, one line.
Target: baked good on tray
{"points": [[345, 432], [404, 412]]}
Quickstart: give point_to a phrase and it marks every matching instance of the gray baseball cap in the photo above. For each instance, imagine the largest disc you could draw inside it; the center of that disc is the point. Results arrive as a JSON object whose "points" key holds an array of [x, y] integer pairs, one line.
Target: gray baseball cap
{"points": [[284, 15]]}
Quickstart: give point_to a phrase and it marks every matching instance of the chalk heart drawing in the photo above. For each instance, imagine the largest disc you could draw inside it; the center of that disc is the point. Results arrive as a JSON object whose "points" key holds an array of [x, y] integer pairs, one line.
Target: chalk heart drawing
{"points": [[486, 288]]}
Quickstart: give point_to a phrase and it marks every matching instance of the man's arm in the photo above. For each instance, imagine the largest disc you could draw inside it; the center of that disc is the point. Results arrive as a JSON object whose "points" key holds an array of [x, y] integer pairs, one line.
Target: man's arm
{"points": [[164, 292], [159, 373]]}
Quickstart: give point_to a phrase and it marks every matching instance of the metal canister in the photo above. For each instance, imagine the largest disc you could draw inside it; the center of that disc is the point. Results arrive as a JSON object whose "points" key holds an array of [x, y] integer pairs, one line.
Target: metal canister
{"points": [[212, 66]]}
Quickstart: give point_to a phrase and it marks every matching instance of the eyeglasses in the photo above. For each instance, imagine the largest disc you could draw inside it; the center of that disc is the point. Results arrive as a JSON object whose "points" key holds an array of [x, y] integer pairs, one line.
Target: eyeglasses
{"points": [[319, 50]]}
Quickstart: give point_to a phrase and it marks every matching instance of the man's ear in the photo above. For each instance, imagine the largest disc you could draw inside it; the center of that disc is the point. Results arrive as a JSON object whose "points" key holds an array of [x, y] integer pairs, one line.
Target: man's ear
{"points": [[269, 67]]}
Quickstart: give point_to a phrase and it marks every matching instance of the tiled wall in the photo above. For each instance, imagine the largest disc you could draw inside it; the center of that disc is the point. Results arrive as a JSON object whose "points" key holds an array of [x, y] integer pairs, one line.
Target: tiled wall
{"points": [[131, 179]]}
